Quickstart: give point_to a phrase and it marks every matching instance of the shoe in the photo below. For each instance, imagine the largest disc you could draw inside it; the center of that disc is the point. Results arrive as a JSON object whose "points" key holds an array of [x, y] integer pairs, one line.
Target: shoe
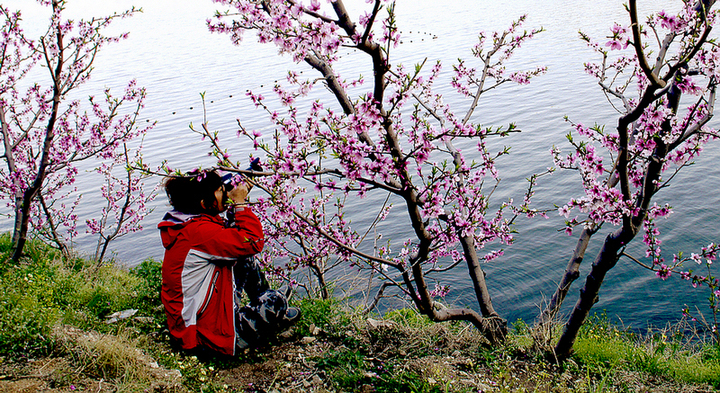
{"points": [[292, 315]]}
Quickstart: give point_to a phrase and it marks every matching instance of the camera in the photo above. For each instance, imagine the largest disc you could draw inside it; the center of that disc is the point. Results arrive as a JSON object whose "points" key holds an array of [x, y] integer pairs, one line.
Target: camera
{"points": [[227, 177]]}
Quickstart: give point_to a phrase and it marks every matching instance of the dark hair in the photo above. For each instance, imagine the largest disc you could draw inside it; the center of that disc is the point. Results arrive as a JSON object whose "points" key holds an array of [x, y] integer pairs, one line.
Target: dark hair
{"points": [[187, 193]]}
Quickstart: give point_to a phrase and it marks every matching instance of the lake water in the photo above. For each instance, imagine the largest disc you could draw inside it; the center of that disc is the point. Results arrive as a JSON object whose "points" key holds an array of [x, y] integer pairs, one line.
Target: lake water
{"points": [[171, 53]]}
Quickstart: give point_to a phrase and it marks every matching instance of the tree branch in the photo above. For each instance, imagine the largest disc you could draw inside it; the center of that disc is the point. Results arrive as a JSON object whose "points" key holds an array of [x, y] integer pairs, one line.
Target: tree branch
{"points": [[637, 44]]}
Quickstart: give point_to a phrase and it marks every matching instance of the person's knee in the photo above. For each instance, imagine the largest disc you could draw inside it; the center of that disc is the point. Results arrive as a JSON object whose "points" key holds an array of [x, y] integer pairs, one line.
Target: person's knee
{"points": [[271, 306], [261, 320]]}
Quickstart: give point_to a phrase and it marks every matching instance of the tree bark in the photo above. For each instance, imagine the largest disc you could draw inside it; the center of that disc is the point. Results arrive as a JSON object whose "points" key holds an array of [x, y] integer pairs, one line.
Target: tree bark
{"points": [[478, 277], [22, 212], [572, 273], [605, 260]]}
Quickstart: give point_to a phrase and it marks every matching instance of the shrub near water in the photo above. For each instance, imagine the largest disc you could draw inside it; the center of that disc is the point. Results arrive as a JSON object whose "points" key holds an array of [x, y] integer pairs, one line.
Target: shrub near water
{"points": [[46, 289]]}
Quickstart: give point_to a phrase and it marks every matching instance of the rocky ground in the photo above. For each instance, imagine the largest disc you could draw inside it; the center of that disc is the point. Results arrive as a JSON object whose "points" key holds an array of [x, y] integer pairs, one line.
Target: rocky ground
{"points": [[373, 358]]}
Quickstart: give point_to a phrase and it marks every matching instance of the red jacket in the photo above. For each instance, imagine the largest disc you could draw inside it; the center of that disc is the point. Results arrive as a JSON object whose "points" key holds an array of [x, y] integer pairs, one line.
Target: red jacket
{"points": [[198, 283]]}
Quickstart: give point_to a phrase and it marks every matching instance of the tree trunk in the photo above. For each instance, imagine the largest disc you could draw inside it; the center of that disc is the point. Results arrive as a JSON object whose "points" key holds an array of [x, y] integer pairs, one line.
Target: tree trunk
{"points": [[21, 223], [610, 252], [572, 272], [605, 260], [22, 216], [493, 327], [478, 277]]}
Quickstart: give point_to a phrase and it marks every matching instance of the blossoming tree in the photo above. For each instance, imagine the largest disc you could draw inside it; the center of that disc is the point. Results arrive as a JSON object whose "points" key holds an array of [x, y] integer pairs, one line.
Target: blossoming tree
{"points": [[45, 133], [657, 134], [395, 143]]}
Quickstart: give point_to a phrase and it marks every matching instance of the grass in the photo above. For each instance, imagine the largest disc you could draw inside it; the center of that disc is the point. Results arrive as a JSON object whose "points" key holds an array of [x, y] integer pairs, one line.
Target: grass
{"points": [[674, 352], [53, 332]]}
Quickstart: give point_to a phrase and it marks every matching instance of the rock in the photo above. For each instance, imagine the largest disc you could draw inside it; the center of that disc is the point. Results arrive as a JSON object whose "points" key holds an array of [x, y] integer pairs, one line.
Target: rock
{"points": [[166, 380], [316, 380], [116, 316], [147, 320], [374, 323], [307, 340], [366, 389]]}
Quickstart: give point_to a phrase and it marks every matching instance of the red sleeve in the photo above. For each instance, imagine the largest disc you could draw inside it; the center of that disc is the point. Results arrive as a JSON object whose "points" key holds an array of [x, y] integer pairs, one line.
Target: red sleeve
{"points": [[245, 238], [247, 222]]}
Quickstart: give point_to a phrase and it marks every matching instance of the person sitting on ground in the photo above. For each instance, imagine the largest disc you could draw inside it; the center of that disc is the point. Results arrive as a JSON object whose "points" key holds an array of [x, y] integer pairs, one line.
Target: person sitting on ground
{"points": [[209, 261]]}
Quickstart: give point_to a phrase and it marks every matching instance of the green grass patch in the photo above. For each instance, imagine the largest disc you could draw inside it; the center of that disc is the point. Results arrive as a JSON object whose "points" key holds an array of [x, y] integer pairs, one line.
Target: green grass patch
{"points": [[351, 369], [326, 314], [45, 289], [603, 347], [409, 317]]}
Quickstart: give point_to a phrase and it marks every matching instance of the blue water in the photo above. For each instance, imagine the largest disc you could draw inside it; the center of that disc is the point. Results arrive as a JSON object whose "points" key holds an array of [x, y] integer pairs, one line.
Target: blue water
{"points": [[171, 53]]}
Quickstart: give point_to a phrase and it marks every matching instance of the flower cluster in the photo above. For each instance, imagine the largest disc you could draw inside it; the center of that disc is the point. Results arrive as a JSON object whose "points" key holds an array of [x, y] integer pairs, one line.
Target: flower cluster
{"points": [[289, 25], [470, 82]]}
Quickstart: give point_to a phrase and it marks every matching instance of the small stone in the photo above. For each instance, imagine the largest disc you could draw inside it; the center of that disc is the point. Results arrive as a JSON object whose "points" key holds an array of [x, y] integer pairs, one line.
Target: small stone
{"points": [[432, 381], [316, 380], [147, 320], [374, 323], [307, 340], [116, 316]]}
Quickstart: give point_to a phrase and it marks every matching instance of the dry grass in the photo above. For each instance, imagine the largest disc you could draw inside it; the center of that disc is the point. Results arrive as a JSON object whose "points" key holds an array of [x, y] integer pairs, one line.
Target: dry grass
{"points": [[114, 360]]}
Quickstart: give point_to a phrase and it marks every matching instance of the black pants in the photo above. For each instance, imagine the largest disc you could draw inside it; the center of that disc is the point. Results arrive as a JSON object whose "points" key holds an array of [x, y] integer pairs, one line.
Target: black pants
{"points": [[263, 316]]}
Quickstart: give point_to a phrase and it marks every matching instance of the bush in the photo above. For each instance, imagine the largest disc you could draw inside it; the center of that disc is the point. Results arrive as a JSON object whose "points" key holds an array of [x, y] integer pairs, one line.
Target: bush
{"points": [[45, 289], [323, 313], [148, 290]]}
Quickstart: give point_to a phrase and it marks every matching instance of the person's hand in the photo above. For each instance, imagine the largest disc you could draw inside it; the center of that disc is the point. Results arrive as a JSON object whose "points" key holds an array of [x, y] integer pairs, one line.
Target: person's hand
{"points": [[238, 195]]}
